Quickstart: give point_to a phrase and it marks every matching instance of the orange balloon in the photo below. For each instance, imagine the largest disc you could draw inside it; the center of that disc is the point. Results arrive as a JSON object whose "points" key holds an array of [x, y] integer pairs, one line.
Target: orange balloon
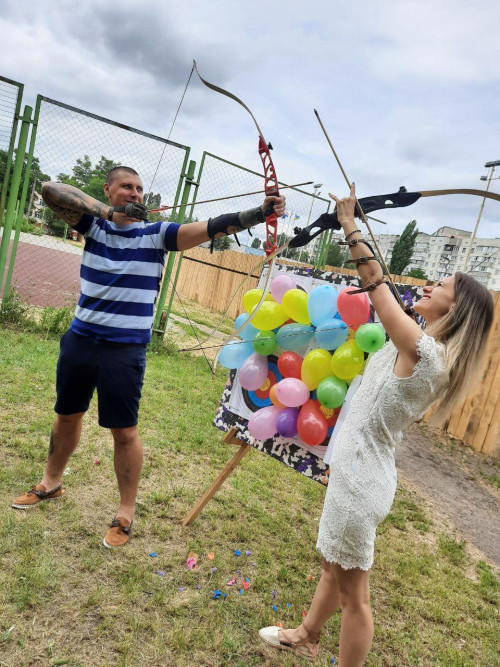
{"points": [[274, 400]]}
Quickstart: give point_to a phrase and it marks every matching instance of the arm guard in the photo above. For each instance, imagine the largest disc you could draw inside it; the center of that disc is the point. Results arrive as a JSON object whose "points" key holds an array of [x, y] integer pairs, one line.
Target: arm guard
{"points": [[232, 223]]}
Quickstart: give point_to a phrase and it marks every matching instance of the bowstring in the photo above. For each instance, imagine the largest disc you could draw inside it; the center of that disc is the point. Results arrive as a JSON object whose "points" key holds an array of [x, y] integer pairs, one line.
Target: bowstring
{"points": [[160, 252]]}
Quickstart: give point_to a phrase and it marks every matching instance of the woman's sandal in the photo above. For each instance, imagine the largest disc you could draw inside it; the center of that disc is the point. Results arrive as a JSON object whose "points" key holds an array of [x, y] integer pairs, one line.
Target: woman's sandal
{"points": [[308, 650]]}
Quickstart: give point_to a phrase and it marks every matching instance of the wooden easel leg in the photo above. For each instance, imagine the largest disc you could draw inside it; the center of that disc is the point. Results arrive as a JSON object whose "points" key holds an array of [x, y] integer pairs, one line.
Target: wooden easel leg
{"points": [[233, 463]]}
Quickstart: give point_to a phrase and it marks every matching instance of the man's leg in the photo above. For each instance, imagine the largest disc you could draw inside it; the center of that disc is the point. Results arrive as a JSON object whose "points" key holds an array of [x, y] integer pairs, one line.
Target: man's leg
{"points": [[64, 439], [128, 465]]}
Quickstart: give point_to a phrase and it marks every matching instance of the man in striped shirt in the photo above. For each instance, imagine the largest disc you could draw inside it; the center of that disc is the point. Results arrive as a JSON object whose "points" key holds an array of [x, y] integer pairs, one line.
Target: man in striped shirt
{"points": [[105, 346]]}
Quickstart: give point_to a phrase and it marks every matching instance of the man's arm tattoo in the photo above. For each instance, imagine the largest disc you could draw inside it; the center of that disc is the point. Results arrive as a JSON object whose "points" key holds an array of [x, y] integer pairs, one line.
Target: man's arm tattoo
{"points": [[70, 204]]}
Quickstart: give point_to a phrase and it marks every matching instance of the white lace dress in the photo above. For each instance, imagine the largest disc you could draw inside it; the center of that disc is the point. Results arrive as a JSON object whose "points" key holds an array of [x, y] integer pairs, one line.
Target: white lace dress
{"points": [[362, 469]]}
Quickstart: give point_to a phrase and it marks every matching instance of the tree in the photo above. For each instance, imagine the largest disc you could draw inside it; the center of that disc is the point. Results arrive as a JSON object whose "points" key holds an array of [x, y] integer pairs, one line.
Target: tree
{"points": [[403, 249], [417, 273], [224, 243], [37, 177], [256, 243], [335, 256]]}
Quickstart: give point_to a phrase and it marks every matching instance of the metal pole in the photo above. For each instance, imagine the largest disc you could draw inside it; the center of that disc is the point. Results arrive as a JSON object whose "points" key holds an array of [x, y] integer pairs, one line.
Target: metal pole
{"points": [[22, 204], [472, 238], [172, 256], [14, 190], [10, 150]]}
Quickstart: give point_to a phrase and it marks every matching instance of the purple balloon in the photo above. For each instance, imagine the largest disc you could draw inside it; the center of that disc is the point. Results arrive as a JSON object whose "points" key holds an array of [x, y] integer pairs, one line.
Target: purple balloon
{"points": [[262, 424], [253, 372], [286, 423]]}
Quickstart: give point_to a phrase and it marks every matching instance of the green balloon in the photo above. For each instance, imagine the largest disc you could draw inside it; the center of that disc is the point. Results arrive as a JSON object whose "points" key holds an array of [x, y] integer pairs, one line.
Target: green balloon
{"points": [[370, 337], [265, 342], [331, 392]]}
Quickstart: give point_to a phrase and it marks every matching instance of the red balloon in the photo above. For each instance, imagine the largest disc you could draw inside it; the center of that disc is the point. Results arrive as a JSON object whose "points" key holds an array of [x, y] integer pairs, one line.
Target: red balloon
{"points": [[354, 309], [311, 424], [290, 364]]}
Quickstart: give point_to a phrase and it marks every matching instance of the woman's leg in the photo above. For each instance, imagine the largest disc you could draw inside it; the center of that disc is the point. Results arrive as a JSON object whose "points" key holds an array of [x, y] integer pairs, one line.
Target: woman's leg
{"points": [[325, 602], [356, 625]]}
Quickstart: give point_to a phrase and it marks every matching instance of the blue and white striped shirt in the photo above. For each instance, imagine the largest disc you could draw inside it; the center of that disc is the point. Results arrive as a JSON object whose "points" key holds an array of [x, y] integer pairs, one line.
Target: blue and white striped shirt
{"points": [[120, 277]]}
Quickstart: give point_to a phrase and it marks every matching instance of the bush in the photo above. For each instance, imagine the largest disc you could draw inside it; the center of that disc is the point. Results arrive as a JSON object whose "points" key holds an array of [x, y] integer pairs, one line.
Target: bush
{"points": [[55, 320], [13, 310]]}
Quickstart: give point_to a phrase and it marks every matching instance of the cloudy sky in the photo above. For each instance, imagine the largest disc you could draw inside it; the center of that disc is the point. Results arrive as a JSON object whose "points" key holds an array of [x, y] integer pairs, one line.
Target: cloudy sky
{"points": [[408, 90]]}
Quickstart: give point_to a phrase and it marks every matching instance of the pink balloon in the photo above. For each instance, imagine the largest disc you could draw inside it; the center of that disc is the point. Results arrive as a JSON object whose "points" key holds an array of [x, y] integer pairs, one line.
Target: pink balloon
{"points": [[354, 309], [253, 372], [280, 285], [292, 392], [262, 424]]}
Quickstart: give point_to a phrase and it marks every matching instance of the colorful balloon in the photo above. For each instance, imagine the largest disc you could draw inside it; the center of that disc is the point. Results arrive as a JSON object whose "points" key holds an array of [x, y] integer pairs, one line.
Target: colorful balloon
{"points": [[331, 392], [262, 424], [292, 392], [249, 332], [312, 427], [273, 398], [370, 337], [294, 337], [315, 367], [280, 285], [234, 353], [330, 334], [253, 372], [347, 361], [286, 423], [295, 305], [269, 316], [353, 308], [289, 364], [265, 342], [252, 298], [322, 304]]}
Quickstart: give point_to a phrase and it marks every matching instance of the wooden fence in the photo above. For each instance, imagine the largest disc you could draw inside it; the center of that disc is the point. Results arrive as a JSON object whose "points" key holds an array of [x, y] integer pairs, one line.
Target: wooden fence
{"points": [[211, 280]]}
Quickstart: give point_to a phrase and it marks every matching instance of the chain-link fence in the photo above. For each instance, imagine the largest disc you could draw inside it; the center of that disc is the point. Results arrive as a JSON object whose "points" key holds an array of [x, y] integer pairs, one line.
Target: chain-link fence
{"points": [[11, 93], [218, 177], [79, 147]]}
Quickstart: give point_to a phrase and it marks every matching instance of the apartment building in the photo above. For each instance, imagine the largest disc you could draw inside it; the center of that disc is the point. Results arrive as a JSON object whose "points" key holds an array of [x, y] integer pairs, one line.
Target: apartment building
{"points": [[445, 251]]}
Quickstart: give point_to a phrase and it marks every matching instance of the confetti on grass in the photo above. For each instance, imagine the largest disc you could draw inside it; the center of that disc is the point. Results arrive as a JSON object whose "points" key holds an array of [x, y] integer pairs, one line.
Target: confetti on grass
{"points": [[160, 572]]}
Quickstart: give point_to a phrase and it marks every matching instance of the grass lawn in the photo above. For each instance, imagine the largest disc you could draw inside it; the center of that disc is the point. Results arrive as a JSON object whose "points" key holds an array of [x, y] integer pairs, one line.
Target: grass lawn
{"points": [[65, 599]]}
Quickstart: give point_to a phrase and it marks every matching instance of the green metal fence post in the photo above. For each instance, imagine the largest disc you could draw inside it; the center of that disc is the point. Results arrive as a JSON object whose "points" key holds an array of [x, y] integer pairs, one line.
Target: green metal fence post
{"points": [[22, 203], [10, 150], [181, 254], [172, 256], [14, 190]]}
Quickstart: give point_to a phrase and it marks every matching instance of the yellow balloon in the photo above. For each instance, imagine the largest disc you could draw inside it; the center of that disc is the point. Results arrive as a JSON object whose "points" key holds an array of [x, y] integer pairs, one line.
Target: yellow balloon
{"points": [[315, 367], [252, 298], [270, 315], [295, 304], [347, 360]]}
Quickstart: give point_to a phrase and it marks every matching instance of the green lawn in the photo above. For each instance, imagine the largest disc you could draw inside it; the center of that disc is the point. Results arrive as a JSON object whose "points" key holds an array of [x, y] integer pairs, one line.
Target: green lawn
{"points": [[64, 599]]}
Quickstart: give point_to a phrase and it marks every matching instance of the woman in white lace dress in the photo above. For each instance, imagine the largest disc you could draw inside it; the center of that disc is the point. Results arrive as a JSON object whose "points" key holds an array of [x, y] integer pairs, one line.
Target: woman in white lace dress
{"points": [[400, 383]]}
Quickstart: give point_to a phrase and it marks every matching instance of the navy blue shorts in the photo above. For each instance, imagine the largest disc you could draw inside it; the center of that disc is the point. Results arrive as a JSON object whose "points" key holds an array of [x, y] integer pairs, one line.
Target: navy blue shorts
{"points": [[116, 370]]}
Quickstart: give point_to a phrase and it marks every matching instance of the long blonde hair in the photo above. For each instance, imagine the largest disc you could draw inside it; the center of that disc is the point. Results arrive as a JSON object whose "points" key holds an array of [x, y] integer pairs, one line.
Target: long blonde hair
{"points": [[463, 331]]}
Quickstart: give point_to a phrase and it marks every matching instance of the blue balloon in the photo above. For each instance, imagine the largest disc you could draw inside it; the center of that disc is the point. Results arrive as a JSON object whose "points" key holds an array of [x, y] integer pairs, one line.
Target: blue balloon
{"points": [[234, 353], [322, 304], [331, 334], [294, 337], [249, 332]]}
